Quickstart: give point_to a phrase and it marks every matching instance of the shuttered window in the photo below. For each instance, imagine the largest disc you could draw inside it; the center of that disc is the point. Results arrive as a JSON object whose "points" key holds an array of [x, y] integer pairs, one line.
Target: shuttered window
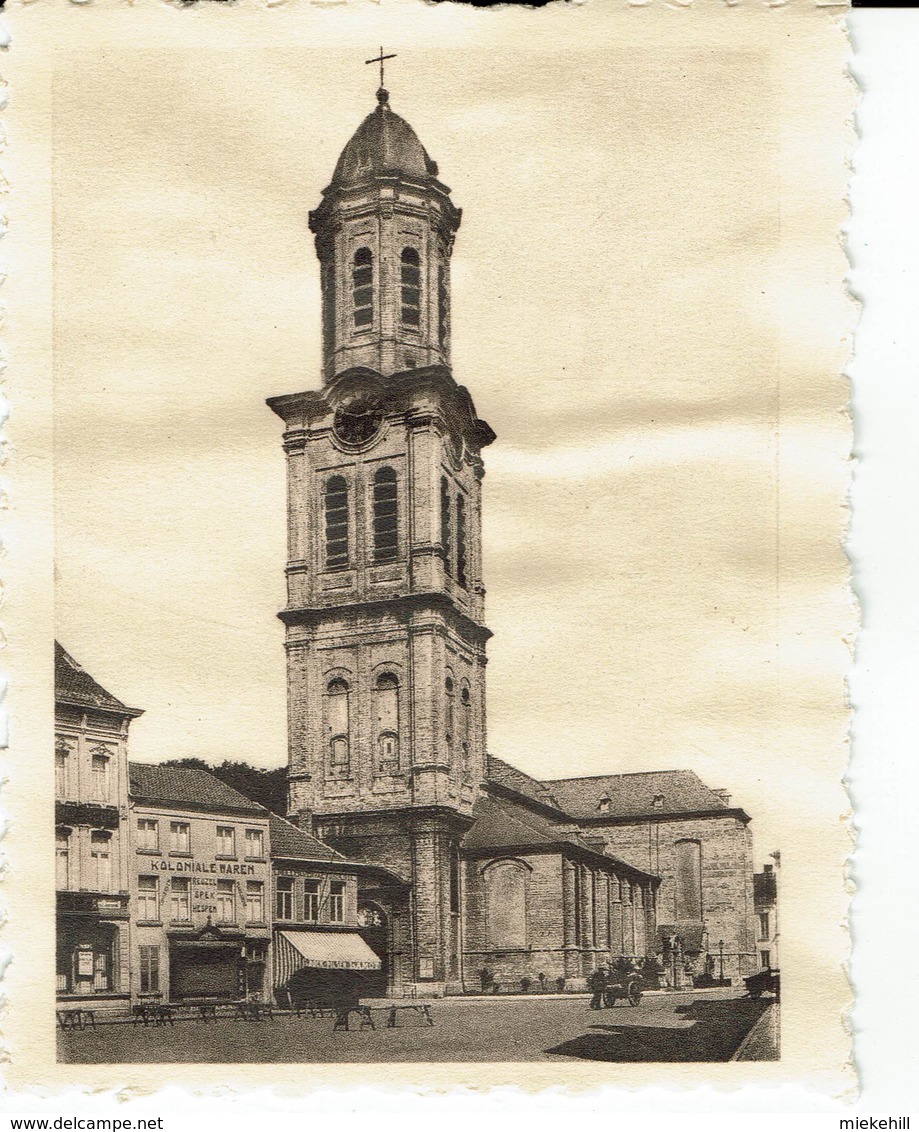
{"points": [[385, 516], [446, 540], [411, 287], [461, 540], [362, 287], [336, 523]]}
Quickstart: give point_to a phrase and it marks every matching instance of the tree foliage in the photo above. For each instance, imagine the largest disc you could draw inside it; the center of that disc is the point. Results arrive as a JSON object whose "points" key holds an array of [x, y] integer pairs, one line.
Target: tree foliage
{"points": [[267, 787]]}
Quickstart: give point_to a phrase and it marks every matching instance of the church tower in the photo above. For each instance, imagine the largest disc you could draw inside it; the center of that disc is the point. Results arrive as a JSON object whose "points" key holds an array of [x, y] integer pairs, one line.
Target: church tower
{"points": [[385, 631]]}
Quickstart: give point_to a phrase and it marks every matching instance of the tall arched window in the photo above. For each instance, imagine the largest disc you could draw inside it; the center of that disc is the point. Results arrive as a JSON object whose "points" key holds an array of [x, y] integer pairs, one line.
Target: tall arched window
{"points": [[386, 709], [688, 880], [362, 287], [336, 523], [338, 725], [446, 532], [506, 904], [449, 724], [385, 516], [411, 287], [461, 540], [466, 702]]}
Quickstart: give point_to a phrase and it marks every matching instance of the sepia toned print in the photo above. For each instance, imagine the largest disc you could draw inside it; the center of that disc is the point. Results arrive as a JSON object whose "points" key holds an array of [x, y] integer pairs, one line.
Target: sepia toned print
{"points": [[291, 823]]}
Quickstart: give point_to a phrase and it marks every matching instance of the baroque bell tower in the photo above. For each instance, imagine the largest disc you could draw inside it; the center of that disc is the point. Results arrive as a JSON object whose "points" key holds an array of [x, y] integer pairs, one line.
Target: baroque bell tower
{"points": [[385, 632]]}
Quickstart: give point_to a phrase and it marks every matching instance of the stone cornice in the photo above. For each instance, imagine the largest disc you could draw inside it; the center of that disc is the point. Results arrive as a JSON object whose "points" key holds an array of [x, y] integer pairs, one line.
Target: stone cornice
{"points": [[590, 856], [300, 411], [316, 615]]}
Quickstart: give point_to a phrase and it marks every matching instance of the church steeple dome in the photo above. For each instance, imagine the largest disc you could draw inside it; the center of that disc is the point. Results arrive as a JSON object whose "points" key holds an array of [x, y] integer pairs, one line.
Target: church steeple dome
{"points": [[383, 145], [384, 235]]}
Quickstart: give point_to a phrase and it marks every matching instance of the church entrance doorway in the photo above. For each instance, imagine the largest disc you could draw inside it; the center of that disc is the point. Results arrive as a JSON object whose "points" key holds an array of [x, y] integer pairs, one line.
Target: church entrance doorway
{"points": [[374, 930]]}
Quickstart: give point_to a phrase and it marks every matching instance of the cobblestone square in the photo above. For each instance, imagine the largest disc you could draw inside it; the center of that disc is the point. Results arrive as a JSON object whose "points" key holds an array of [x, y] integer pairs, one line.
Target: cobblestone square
{"points": [[690, 1027]]}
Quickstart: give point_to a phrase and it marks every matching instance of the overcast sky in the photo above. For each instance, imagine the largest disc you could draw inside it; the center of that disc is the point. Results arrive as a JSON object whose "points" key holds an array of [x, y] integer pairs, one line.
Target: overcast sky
{"points": [[636, 304]]}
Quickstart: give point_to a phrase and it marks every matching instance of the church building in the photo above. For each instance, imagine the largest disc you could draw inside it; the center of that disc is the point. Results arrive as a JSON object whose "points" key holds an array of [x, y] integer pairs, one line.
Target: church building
{"points": [[485, 875]]}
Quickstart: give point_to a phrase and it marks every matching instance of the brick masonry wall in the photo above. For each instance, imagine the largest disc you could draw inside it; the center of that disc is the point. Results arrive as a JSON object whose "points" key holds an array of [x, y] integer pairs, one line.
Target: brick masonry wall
{"points": [[727, 874]]}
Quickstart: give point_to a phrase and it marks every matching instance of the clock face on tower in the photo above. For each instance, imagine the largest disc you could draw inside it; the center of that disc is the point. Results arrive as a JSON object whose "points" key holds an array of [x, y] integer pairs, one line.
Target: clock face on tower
{"points": [[359, 420]]}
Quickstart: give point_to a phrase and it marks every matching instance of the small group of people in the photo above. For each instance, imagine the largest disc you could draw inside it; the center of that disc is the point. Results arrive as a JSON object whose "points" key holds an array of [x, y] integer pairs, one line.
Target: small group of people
{"points": [[607, 976]]}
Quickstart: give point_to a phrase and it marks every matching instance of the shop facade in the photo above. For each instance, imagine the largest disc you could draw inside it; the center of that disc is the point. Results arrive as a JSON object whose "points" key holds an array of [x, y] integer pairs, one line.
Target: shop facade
{"points": [[320, 952], [201, 888]]}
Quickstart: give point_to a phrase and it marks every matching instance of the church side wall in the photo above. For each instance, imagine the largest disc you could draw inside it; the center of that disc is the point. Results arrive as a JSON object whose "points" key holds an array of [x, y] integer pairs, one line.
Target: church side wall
{"points": [[543, 952], [727, 876]]}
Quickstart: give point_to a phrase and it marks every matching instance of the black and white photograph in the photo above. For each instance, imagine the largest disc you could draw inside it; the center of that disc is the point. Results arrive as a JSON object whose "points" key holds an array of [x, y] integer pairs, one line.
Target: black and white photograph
{"points": [[450, 605]]}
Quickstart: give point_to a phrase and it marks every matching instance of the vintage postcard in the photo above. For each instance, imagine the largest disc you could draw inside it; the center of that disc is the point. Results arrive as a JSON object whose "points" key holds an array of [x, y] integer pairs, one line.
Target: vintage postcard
{"points": [[428, 613]]}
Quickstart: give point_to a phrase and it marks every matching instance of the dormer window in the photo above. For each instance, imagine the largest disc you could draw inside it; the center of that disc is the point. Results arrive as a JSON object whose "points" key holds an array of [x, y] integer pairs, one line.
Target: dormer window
{"points": [[605, 804], [411, 287], [658, 801], [362, 287]]}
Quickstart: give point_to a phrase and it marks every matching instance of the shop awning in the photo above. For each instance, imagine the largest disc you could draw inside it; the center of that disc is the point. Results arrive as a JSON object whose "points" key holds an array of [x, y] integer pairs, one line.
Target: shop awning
{"points": [[331, 951]]}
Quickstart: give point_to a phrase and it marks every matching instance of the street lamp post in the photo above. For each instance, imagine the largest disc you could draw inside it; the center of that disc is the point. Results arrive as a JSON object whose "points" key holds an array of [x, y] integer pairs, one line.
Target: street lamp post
{"points": [[721, 959]]}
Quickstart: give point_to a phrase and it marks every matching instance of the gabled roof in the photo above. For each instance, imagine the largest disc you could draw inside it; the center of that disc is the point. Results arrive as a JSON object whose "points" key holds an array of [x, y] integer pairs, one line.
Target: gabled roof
{"points": [[185, 786], [504, 775], [293, 843], [635, 795], [74, 685], [501, 824]]}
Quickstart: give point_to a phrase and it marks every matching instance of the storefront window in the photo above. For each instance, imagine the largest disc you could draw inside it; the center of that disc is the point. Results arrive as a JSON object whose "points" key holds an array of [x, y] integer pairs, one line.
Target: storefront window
{"points": [[311, 900], [148, 905], [149, 968], [255, 843], [226, 841], [226, 902], [102, 971], [180, 906], [85, 961], [255, 902], [337, 901], [101, 858]]}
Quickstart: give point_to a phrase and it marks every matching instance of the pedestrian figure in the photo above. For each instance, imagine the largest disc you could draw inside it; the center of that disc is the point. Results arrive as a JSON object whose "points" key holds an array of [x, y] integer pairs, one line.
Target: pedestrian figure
{"points": [[597, 984], [609, 994]]}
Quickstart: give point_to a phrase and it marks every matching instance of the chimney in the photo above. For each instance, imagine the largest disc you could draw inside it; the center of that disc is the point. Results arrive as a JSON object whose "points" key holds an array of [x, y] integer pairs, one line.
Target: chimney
{"points": [[767, 868], [303, 819], [724, 795]]}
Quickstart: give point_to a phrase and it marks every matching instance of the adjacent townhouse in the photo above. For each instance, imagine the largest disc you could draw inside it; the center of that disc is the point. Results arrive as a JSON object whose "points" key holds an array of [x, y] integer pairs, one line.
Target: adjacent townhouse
{"points": [[91, 840]]}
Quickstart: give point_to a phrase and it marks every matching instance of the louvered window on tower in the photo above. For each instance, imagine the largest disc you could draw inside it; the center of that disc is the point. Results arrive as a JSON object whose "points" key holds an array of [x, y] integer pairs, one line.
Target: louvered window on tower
{"points": [[445, 527], [411, 287], [385, 516], [336, 523], [461, 540], [362, 287]]}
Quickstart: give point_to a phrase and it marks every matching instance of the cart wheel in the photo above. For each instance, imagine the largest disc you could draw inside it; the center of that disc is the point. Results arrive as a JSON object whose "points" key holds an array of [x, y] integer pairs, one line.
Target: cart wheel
{"points": [[634, 994]]}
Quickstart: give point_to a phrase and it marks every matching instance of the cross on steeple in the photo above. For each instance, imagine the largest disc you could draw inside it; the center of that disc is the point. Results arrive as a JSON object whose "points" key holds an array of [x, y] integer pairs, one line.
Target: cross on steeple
{"points": [[380, 59]]}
